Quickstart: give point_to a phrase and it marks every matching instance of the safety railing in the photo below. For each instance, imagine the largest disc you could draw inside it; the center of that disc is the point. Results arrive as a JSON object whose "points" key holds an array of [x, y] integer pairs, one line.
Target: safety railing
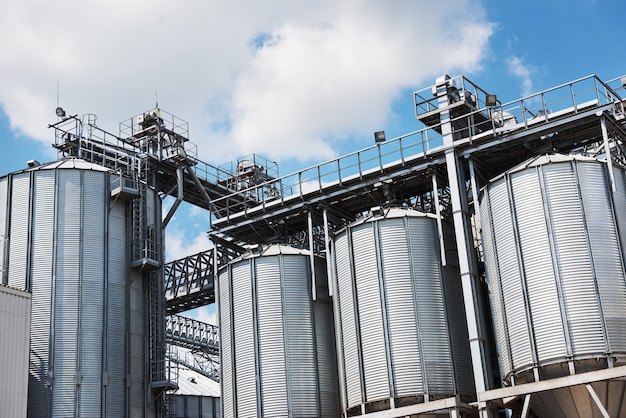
{"points": [[190, 333], [479, 121], [337, 172]]}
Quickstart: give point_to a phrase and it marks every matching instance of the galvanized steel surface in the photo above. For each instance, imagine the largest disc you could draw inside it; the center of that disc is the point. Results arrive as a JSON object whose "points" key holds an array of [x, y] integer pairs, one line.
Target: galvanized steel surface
{"points": [[277, 344], [15, 311], [554, 256], [395, 312], [65, 240]]}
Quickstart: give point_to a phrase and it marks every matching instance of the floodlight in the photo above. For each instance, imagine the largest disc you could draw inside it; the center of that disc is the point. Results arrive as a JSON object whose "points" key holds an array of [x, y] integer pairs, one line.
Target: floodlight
{"points": [[379, 136], [491, 100], [60, 112]]}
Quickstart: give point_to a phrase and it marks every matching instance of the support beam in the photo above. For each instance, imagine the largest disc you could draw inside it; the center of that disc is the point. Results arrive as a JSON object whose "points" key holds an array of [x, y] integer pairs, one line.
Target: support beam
{"points": [[596, 399], [469, 277], [551, 384]]}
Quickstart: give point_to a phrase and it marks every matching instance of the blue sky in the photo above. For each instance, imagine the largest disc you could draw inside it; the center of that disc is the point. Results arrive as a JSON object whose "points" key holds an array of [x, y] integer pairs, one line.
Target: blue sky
{"points": [[297, 82]]}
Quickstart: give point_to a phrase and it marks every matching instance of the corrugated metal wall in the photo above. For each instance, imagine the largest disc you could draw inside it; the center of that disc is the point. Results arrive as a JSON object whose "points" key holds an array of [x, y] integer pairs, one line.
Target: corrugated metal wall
{"points": [[554, 257], [66, 242], [393, 321], [15, 308], [277, 347]]}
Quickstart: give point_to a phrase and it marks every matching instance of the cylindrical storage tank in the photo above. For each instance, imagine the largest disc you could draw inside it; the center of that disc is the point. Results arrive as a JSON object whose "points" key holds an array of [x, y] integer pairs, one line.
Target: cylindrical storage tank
{"points": [[400, 323], [276, 342], [67, 240], [554, 235]]}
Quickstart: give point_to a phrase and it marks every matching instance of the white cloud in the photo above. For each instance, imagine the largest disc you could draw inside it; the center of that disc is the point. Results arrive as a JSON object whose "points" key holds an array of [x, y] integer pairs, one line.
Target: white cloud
{"points": [[520, 69], [204, 314], [285, 79], [182, 242]]}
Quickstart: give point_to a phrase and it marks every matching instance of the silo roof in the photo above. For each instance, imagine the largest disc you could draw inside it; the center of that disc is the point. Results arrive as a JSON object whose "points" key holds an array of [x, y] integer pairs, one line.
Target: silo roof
{"points": [[65, 163], [194, 384], [380, 213], [69, 163], [544, 159], [274, 249]]}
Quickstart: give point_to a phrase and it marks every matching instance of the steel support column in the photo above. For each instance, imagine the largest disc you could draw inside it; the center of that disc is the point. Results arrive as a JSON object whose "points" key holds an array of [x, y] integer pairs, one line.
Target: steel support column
{"points": [[469, 276]]}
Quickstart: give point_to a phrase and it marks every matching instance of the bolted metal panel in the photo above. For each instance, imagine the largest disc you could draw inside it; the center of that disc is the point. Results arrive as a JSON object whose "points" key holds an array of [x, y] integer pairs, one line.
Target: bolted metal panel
{"points": [[402, 314], [4, 237], [605, 246], [299, 335], [15, 311], [42, 271], [273, 351], [368, 294], [244, 339], [18, 231], [540, 287], [395, 335], [224, 309], [511, 292], [92, 291], [575, 260], [66, 295], [347, 338], [78, 356], [555, 262], [117, 312], [613, 294], [497, 306]]}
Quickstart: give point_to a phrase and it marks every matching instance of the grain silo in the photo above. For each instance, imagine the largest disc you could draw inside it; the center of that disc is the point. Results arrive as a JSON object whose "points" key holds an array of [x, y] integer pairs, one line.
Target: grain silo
{"points": [[401, 334], [276, 341], [554, 233], [67, 238]]}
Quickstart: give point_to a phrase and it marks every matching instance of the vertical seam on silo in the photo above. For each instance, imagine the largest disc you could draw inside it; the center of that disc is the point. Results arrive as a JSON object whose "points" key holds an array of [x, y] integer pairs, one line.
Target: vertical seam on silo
{"points": [[615, 223], [556, 265], [591, 258], [339, 342], [105, 284], [52, 336], [81, 225], [382, 293], [30, 242], [233, 361], [128, 255], [255, 337], [357, 323], [6, 228], [521, 270]]}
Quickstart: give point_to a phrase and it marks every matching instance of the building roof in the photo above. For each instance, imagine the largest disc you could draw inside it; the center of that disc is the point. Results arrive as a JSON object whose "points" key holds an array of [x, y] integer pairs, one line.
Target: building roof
{"points": [[194, 384]]}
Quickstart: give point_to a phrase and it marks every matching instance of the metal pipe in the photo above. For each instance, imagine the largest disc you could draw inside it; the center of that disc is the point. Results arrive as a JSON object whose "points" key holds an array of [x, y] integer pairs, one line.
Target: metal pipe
{"points": [[607, 150], [328, 253], [468, 277], [203, 192], [179, 197], [442, 247], [311, 255]]}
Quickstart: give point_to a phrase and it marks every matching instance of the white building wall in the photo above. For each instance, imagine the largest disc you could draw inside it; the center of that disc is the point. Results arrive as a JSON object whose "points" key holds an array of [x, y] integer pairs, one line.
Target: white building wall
{"points": [[14, 343]]}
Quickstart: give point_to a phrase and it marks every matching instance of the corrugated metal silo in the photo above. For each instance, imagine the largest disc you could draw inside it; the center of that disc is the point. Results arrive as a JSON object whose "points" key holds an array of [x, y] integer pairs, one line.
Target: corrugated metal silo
{"points": [[400, 323], [66, 240], [554, 235], [276, 342]]}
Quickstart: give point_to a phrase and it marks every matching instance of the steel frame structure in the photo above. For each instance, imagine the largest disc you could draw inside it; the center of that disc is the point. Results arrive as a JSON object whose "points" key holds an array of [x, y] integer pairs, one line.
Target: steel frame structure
{"points": [[466, 142]]}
